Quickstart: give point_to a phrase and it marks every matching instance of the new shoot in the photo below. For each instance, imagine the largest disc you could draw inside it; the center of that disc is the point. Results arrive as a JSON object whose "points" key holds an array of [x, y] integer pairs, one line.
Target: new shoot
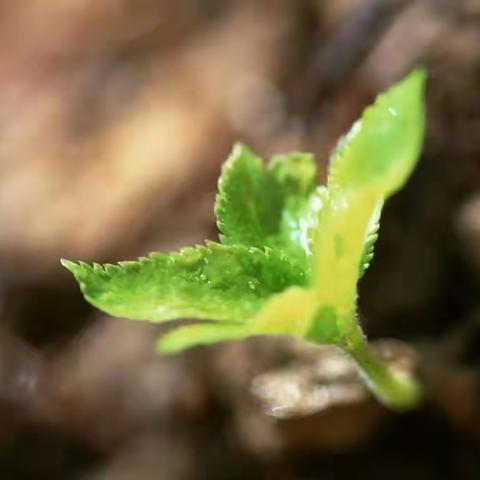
{"points": [[290, 253]]}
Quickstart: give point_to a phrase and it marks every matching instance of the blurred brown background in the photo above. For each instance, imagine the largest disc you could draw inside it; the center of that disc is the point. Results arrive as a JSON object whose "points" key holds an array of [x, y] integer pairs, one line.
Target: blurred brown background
{"points": [[115, 117]]}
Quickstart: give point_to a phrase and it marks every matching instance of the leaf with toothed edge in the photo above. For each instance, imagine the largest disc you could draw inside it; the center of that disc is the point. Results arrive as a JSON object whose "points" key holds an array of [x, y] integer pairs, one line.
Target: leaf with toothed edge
{"points": [[213, 282], [370, 164], [260, 206], [382, 148]]}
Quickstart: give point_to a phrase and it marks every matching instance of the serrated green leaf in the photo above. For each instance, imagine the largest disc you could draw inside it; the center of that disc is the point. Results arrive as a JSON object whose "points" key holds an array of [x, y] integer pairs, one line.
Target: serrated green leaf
{"points": [[382, 148], [225, 283], [188, 336], [372, 161], [264, 206]]}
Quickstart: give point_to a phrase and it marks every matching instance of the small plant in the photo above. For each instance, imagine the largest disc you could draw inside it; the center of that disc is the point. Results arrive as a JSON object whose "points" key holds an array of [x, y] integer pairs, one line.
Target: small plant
{"points": [[290, 253]]}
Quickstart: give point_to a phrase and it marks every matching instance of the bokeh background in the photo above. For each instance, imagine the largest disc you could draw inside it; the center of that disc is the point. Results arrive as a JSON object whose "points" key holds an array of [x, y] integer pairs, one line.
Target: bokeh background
{"points": [[115, 117]]}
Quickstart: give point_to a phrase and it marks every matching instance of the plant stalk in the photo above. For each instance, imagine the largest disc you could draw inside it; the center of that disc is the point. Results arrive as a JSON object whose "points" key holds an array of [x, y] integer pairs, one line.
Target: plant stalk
{"points": [[398, 390]]}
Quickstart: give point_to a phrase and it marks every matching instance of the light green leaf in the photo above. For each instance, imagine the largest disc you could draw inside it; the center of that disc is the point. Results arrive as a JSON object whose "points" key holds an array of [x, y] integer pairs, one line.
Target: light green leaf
{"points": [[382, 148], [188, 336], [372, 161], [225, 283], [264, 206]]}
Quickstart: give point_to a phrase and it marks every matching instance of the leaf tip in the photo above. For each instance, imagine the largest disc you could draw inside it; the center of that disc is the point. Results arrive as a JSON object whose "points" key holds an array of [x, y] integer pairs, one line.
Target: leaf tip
{"points": [[69, 265], [413, 84], [165, 346], [418, 76], [240, 148]]}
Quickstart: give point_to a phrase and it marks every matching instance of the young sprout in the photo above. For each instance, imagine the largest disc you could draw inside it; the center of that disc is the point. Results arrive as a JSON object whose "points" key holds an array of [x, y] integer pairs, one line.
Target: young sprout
{"points": [[290, 253]]}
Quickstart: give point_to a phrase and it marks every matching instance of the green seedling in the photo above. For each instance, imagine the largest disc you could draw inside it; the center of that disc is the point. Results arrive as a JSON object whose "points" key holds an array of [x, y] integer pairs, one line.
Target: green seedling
{"points": [[290, 253]]}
